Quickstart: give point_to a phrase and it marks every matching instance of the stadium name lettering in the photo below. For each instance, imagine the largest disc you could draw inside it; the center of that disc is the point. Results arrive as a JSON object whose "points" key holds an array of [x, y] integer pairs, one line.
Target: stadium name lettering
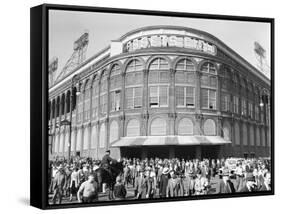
{"points": [[170, 41]]}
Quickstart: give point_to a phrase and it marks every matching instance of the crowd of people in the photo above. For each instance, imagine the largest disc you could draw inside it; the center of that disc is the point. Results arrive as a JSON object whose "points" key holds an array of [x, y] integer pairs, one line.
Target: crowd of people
{"points": [[158, 178]]}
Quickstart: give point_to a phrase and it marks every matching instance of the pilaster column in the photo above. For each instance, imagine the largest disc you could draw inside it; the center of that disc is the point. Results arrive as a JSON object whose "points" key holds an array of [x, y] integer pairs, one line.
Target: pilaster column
{"points": [[172, 103], [218, 104], [198, 91], [107, 131], [198, 124], [122, 105], [90, 117], [145, 104]]}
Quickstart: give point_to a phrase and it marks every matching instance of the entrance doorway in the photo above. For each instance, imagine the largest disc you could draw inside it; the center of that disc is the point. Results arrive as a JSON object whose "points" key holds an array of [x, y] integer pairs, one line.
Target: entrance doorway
{"points": [[159, 152], [130, 152], [210, 152], [185, 152]]}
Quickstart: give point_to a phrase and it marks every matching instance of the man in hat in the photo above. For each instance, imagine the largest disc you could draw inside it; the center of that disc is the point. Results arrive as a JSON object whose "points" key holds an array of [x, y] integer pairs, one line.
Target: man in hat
{"points": [[141, 185], [266, 185], [201, 184], [106, 162], [250, 185], [106, 159], [151, 182], [173, 186], [164, 178], [225, 185], [119, 189], [59, 184], [88, 190]]}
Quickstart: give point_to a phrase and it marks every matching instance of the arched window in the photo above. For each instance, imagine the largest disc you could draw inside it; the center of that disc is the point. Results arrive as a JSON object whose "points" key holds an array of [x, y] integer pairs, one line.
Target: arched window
{"points": [[86, 139], [208, 86], [66, 141], [209, 68], [237, 133], [103, 94], [94, 138], [79, 140], [226, 132], [56, 149], [158, 127], [158, 80], [245, 134], [258, 136], [114, 131], [252, 136], [102, 136], [95, 97], [53, 109], [243, 106], [263, 137], [185, 83], [133, 128], [210, 127], [225, 101], [62, 104], [49, 110], [73, 141], [58, 107], [87, 101], [61, 142], [225, 77], [185, 127], [133, 84], [68, 102], [79, 107], [115, 88]]}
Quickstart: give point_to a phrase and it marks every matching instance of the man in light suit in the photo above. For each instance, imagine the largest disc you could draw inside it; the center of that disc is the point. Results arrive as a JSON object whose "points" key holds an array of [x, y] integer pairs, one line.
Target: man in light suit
{"points": [[141, 186], [225, 185]]}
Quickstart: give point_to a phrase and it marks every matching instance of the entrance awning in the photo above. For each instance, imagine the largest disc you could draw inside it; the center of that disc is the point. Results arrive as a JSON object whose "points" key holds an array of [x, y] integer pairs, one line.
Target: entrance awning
{"points": [[170, 140]]}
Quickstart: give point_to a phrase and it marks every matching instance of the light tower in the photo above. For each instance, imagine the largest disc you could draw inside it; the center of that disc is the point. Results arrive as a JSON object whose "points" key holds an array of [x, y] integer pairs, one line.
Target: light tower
{"points": [[261, 57], [77, 57], [53, 66]]}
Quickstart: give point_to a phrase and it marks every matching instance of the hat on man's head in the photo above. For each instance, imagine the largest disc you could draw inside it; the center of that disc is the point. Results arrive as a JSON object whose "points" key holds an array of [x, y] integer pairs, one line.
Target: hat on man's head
{"points": [[107, 151], [250, 177]]}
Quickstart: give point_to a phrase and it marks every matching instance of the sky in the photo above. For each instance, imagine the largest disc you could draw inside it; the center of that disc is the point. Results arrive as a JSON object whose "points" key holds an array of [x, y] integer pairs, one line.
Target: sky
{"points": [[67, 26]]}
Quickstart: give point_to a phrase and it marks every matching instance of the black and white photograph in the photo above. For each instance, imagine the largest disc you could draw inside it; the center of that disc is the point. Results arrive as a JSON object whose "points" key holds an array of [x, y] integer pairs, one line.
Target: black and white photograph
{"points": [[146, 108]]}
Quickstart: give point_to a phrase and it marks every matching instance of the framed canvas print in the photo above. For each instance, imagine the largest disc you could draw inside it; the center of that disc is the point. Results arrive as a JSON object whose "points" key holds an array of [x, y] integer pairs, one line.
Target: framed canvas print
{"points": [[133, 106]]}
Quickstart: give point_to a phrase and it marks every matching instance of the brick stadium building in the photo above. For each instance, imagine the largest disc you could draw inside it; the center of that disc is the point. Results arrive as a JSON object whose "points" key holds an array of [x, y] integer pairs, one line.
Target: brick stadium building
{"points": [[162, 91]]}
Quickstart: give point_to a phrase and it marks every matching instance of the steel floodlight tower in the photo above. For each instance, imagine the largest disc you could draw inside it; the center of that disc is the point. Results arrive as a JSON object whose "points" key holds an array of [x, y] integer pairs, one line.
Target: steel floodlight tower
{"points": [[77, 57], [261, 57], [53, 66]]}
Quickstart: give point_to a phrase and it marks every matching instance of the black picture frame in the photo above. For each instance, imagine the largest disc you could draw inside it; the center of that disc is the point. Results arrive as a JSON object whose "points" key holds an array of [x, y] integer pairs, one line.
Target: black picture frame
{"points": [[39, 101]]}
